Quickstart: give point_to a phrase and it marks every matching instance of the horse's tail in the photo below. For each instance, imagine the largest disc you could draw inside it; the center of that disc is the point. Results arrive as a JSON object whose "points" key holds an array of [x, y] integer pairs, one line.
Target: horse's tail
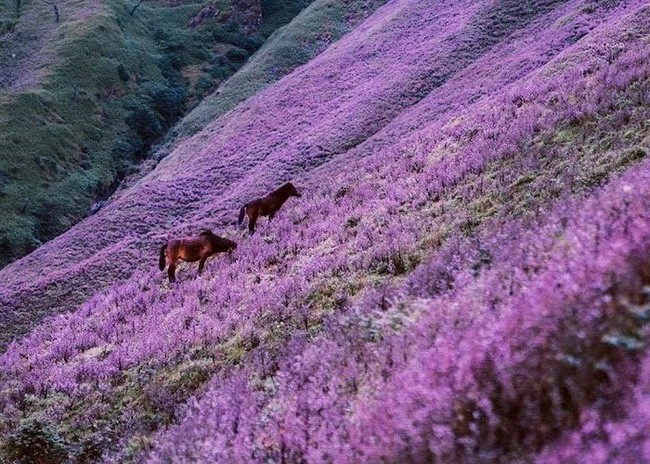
{"points": [[242, 212], [161, 262]]}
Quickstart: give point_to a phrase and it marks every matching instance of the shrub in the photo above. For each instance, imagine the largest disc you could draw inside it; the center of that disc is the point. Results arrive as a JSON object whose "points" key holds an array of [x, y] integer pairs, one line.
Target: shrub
{"points": [[168, 102], [35, 441], [3, 183], [145, 123], [237, 55]]}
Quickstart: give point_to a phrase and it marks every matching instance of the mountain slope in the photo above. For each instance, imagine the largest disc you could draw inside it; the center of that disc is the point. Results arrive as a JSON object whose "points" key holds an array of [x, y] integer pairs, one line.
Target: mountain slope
{"points": [[438, 147], [85, 89], [88, 272], [317, 26]]}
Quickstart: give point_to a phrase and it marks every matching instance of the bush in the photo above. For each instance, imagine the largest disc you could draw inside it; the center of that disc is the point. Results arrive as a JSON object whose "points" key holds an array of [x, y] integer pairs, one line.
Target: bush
{"points": [[7, 26], [205, 84], [170, 66], [168, 103], [145, 123], [237, 55], [3, 183], [35, 441]]}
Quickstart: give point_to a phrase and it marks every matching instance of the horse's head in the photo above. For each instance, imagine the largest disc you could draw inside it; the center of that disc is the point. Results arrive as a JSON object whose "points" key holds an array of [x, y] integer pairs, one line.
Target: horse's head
{"points": [[230, 245], [293, 192], [227, 245]]}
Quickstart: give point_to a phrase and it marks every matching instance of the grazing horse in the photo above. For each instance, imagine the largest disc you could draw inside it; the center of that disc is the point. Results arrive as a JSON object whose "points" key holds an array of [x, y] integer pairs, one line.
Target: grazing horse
{"points": [[191, 249], [266, 206]]}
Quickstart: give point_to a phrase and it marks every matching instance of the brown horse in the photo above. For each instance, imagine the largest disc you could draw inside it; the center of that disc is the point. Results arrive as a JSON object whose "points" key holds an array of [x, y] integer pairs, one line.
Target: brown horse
{"points": [[266, 206], [192, 249]]}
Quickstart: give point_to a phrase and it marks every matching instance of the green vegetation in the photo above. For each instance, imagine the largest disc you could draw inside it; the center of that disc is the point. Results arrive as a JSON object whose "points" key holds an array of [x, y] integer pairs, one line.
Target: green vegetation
{"points": [[36, 441]]}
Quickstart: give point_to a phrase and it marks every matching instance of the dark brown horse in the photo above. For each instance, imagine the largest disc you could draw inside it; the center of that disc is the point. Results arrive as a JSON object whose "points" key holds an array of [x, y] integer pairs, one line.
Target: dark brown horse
{"points": [[191, 249], [266, 206]]}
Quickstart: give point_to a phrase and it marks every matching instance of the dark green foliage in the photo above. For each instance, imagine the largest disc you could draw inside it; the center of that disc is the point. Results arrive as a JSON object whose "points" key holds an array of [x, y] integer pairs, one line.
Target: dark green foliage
{"points": [[205, 84], [150, 114], [36, 442], [218, 71], [170, 67], [168, 102], [279, 12], [237, 55], [49, 214], [231, 35], [7, 26], [125, 150], [145, 123]]}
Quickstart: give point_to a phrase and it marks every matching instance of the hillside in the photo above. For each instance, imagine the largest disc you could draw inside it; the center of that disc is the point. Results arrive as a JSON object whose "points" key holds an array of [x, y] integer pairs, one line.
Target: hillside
{"points": [[465, 278], [322, 19], [313, 30], [87, 88]]}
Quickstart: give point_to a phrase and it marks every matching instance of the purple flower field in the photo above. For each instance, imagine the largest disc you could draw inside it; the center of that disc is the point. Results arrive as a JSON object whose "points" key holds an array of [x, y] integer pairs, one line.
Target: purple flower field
{"points": [[466, 277]]}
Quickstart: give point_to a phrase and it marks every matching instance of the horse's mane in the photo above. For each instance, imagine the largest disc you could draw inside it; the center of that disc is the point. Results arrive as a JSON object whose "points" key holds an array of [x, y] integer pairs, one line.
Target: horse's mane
{"points": [[207, 232], [286, 186]]}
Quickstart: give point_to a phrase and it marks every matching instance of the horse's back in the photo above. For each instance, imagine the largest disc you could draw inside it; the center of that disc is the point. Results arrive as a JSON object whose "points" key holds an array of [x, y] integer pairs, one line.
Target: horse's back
{"points": [[268, 204], [187, 248], [172, 246]]}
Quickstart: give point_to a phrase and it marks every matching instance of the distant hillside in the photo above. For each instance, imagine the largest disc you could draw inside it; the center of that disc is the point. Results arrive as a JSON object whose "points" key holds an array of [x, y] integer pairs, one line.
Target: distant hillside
{"points": [[86, 88], [290, 46], [464, 279]]}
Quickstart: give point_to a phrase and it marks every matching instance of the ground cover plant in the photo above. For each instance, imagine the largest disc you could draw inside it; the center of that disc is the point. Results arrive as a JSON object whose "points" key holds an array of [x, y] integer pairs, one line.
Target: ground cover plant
{"points": [[465, 277]]}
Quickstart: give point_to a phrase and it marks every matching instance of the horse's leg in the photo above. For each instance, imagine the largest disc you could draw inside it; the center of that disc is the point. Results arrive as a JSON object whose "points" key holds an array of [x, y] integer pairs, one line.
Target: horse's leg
{"points": [[251, 225], [272, 215], [171, 272], [202, 263]]}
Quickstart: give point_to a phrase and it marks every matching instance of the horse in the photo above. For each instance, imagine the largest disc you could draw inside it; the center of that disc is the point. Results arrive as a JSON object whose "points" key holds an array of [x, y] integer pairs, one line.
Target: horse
{"points": [[192, 249], [266, 206]]}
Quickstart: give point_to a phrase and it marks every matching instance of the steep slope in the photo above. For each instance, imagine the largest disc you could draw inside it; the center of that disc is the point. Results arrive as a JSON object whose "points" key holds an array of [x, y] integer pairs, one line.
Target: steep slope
{"points": [[429, 143], [331, 121]]}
